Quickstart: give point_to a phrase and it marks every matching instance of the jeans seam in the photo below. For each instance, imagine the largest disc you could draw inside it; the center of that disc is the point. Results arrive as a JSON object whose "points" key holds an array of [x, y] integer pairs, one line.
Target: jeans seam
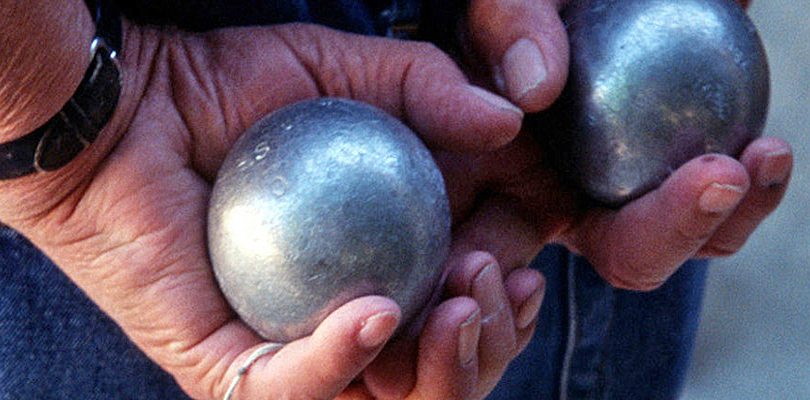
{"points": [[571, 340]]}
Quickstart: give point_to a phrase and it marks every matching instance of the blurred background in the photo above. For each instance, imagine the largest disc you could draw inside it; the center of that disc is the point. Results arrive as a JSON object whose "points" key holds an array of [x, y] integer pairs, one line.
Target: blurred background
{"points": [[754, 337]]}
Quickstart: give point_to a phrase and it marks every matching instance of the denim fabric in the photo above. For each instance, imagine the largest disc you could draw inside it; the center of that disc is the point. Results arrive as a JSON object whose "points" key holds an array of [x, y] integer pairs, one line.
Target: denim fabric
{"points": [[595, 342], [591, 342], [56, 344], [359, 16]]}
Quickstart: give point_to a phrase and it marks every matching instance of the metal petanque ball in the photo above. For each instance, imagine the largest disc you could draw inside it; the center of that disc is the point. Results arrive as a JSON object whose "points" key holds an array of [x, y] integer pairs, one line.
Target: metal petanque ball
{"points": [[652, 84], [321, 202]]}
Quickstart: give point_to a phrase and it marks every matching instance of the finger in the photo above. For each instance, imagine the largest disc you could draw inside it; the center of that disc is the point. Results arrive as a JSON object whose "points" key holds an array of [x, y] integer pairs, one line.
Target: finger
{"points": [[414, 81], [502, 228], [278, 65], [525, 46], [515, 226], [509, 203], [448, 351], [526, 288], [322, 365], [478, 276], [769, 162], [643, 243], [392, 375], [441, 363]]}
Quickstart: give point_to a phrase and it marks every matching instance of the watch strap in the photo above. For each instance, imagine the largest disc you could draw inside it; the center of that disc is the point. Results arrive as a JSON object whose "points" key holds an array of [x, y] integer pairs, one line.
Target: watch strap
{"points": [[77, 124], [107, 17]]}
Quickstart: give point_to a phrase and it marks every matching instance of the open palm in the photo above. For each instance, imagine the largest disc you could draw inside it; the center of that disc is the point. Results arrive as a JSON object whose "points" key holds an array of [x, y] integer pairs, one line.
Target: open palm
{"points": [[125, 220]]}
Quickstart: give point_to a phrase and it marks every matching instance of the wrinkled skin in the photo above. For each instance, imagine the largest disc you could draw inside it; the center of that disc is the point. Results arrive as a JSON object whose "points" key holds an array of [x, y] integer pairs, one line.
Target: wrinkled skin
{"points": [[126, 219]]}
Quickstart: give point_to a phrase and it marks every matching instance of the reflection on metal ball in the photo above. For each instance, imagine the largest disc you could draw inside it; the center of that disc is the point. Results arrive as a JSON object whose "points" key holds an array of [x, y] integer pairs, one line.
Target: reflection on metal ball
{"points": [[652, 84], [321, 202]]}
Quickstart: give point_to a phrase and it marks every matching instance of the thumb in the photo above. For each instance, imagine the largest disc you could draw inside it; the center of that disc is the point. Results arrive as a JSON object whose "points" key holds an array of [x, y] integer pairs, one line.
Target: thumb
{"points": [[643, 243], [319, 366], [525, 47], [414, 81]]}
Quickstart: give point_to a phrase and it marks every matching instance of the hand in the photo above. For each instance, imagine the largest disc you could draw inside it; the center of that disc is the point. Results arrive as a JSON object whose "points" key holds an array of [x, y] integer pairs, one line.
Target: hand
{"points": [[706, 208], [125, 220]]}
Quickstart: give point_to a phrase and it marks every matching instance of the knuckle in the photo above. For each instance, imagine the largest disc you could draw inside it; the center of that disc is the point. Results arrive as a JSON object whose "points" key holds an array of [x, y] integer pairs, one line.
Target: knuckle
{"points": [[427, 48], [425, 57], [464, 270], [692, 236], [630, 277], [485, 14], [633, 285], [720, 249], [324, 59]]}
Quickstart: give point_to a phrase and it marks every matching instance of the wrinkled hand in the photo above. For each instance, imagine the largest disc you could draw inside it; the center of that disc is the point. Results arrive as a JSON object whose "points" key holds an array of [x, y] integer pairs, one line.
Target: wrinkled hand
{"points": [[516, 203], [125, 220]]}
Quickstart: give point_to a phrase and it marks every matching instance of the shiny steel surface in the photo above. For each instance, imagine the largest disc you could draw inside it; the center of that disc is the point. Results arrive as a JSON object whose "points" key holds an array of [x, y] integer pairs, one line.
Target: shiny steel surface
{"points": [[654, 83], [321, 202]]}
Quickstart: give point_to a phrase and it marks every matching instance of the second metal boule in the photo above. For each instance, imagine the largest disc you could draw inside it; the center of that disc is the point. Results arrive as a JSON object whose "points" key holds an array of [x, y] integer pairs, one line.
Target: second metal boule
{"points": [[652, 84]]}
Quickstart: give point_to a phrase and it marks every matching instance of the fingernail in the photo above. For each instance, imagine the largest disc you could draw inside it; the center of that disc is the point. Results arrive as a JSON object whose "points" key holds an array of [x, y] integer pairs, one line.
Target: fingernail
{"points": [[468, 334], [529, 309], [485, 291], [494, 100], [377, 329], [720, 198], [523, 68], [774, 169]]}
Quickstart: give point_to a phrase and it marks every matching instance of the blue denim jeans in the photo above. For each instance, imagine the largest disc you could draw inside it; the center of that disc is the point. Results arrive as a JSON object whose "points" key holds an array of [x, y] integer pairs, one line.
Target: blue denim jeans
{"points": [[591, 341], [596, 342], [56, 344]]}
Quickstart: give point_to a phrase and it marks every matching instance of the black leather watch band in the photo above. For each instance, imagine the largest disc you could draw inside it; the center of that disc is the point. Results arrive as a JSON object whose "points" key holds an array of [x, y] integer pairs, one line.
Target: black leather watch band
{"points": [[108, 21], [77, 124]]}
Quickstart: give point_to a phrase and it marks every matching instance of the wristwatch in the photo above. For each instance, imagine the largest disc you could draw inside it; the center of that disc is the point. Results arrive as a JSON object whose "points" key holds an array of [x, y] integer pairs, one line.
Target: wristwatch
{"points": [[77, 124]]}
